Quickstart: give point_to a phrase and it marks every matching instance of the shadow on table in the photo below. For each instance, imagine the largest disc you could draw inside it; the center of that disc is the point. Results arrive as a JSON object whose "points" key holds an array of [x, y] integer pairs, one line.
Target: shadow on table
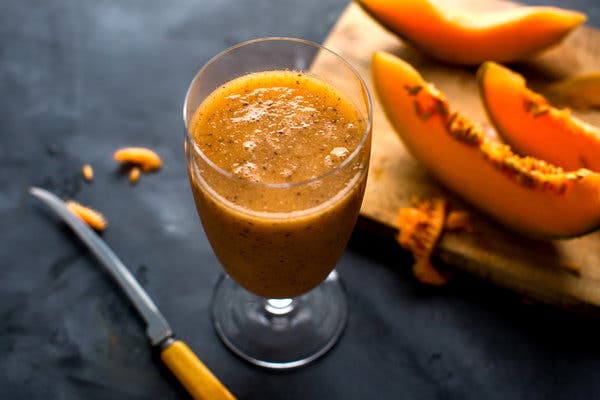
{"points": [[558, 331]]}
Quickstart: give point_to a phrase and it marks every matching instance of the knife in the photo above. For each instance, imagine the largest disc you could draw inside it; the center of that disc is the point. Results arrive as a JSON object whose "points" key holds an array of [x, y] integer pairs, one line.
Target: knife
{"points": [[177, 356]]}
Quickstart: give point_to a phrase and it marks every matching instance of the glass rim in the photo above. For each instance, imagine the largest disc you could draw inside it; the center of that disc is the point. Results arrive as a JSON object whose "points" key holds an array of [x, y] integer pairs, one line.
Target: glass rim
{"points": [[285, 185]]}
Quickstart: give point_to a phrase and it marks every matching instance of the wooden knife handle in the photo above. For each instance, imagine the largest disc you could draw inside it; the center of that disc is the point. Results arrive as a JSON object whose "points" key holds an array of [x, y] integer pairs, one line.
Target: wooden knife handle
{"points": [[192, 373]]}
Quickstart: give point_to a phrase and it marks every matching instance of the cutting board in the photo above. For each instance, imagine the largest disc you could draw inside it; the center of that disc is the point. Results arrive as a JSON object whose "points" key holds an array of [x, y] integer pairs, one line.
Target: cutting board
{"points": [[565, 273]]}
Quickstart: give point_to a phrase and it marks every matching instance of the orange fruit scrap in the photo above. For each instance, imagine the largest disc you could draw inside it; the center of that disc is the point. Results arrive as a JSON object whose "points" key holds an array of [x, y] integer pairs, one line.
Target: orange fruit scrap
{"points": [[572, 267], [420, 229], [459, 221], [145, 158], [134, 175], [87, 172], [88, 215]]}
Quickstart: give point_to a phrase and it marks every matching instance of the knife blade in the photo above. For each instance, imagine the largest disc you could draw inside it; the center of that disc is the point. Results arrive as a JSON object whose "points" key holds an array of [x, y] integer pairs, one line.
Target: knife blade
{"points": [[178, 357]]}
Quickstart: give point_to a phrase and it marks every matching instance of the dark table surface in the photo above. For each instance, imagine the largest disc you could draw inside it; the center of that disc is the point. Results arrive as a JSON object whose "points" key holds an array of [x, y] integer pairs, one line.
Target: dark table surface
{"points": [[79, 79]]}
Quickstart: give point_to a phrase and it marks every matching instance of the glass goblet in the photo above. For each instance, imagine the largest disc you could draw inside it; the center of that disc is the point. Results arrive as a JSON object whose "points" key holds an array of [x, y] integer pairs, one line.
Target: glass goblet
{"points": [[280, 303]]}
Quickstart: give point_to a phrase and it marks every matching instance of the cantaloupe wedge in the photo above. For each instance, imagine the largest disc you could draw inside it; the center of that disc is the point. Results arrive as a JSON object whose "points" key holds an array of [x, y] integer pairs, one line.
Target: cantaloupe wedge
{"points": [[524, 193], [531, 126], [470, 37]]}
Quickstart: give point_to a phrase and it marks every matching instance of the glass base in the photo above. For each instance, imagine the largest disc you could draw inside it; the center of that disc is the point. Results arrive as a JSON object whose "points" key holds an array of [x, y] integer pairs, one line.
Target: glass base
{"points": [[280, 333]]}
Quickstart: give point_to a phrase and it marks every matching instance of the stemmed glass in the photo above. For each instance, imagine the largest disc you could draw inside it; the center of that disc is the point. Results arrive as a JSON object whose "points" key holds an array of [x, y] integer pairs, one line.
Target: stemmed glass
{"points": [[280, 303]]}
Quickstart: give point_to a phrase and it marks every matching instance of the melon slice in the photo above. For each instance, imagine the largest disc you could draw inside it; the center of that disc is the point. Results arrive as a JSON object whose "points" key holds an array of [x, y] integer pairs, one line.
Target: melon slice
{"points": [[523, 193], [458, 36], [531, 126]]}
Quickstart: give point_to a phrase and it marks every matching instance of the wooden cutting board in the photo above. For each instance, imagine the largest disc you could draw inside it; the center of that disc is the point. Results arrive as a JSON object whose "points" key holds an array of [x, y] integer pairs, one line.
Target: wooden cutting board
{"points": [[564, 273]]}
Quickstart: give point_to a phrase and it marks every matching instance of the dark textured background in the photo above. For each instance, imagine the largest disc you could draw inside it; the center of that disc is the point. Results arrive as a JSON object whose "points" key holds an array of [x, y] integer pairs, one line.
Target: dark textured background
{"points": [[79, 79]]}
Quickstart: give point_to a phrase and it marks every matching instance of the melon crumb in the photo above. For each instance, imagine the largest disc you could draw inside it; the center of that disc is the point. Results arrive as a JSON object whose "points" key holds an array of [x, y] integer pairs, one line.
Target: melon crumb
{"points": [[420, 229], [88, 215], [426, 273], [572, 267], [459, 221], [88, 172], [143, 157], [134, 175]]}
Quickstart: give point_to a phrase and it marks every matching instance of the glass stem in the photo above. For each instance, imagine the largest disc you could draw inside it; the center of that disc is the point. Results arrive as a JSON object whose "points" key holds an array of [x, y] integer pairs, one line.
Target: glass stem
{"points": [[279, 307]]}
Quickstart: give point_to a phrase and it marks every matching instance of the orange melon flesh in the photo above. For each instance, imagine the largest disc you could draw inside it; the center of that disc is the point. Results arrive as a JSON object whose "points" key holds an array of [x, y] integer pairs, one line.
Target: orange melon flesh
{"points": [[471, 38], [530, 125], [560, 204]]}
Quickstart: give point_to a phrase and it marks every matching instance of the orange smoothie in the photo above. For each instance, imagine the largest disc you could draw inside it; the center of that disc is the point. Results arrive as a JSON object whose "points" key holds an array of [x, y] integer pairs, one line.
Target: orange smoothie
{"points": [[278, 166]]}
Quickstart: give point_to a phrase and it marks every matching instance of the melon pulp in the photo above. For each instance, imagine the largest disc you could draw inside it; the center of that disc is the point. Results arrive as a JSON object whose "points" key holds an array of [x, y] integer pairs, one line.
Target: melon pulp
{"points": [[470, 38], [531, 126], [523, 193]]}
